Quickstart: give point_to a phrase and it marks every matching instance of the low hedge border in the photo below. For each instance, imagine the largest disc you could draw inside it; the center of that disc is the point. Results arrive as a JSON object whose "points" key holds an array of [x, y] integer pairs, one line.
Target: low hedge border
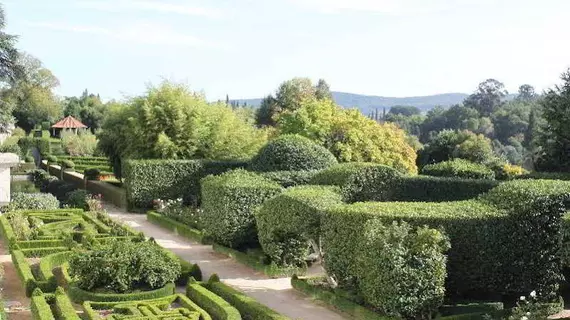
{"points": [[30, 244], [271, 270], [40, 307], [24, 271], [175, 226], [42, 252], [89, 307], [48, 263], [354, 310], [217, 307], [63, 307], [79, 295], [247, 306]]}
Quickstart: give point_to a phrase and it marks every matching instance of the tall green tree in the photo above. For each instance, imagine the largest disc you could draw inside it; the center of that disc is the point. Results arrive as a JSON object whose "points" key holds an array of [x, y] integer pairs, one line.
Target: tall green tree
{"points": [[10, 70], [88, 108], [290, 96], [554, 138], [31, 96], [526, 93], [487, 98]]}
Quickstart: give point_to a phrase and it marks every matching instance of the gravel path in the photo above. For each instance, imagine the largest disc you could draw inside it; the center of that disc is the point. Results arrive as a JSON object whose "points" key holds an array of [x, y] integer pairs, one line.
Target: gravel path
{"points": [[275, 293]]}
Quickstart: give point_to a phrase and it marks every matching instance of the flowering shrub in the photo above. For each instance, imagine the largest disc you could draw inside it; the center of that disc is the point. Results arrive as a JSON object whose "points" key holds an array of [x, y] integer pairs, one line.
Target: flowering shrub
{"points": [[93, 202], [176, 210], [529, 309]]}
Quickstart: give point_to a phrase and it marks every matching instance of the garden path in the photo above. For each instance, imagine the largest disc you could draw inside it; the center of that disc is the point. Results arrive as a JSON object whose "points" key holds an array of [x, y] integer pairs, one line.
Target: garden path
{"points": [[274, 293], [16, 303]]}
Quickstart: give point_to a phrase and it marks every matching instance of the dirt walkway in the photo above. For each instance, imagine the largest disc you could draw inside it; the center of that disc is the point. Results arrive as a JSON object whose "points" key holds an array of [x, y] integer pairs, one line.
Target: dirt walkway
{"points": [[275, 293], [13, 294]]}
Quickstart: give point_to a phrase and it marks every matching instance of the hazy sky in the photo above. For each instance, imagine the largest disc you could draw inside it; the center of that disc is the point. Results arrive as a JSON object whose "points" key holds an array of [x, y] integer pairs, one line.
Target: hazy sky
{"points": [[247, 47]]}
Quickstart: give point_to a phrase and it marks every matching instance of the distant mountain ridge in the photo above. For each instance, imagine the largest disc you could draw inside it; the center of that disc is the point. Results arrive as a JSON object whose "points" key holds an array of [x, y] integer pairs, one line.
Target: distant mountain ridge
{"points": [[367, 104]]}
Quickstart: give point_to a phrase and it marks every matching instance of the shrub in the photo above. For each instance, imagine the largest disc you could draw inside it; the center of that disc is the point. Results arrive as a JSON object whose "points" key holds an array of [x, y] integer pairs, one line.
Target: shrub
{"points": [[374, 183], [401, 271], [92, 174], [437, 189], [292, 153], [67, 164], [459, 168], [29, 159], [229, 202], [83, 144], [147, 180], [77, 199], [288, 221], [290, 178], [176, 210], [51, 159], [32, 201], [38, 176], [506, 243], [339, 174], [546, 175], [123, 266]]}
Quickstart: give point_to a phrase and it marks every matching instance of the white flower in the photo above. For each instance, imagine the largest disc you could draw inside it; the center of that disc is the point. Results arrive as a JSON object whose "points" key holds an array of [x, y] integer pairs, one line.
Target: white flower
{"points": [[528, 314], [533, 294], [524, 318], [522, 298]]}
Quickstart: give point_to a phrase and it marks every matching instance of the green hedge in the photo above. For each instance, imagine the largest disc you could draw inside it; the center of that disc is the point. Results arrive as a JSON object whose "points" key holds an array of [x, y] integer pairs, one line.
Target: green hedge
{"points": [[147, 180], [290, 178], [492, 249], [32, 201], [373, 183], [24, 271], [292, 153], [470, 308], [351, 308], [40, 307], [217, 307], [229, 202], [42, 252], [48, 263], [63, 307], [438, 189], [247, 306], [339, 174], [459, 168], [175, 226], [288, 221], [546, 176], [79, 295]]}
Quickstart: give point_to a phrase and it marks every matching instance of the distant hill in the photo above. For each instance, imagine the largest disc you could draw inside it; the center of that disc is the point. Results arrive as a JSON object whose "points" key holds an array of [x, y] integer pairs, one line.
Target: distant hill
{"points": [[367, 104]]}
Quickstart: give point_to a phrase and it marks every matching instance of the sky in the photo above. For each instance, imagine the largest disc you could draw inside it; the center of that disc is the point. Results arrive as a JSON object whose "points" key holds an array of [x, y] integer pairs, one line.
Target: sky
{"points": [[246, 48]]}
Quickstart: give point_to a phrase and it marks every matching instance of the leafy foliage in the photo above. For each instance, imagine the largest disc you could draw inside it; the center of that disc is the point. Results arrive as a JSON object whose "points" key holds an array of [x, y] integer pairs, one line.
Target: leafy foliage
{"points": [[30, 201], [292, 153], [229, 202], [124, 266], [288, 221], [82, 144], [349, 135], [449, 144], [401, 270], [459, 168], [172, 122]]}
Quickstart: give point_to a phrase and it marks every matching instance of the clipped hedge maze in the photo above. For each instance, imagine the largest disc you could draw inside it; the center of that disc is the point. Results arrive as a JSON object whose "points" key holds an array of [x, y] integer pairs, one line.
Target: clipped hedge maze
{"points": [[42, 265]]}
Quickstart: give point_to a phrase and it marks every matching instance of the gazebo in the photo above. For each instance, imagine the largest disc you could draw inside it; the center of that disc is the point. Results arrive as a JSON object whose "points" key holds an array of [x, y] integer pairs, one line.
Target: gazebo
{"points": [[68, 123]]}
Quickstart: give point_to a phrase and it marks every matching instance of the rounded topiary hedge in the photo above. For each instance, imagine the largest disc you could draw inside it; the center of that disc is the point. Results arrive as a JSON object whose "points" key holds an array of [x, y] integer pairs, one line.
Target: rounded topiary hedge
{"points": [[292, 153], [229, 202]]}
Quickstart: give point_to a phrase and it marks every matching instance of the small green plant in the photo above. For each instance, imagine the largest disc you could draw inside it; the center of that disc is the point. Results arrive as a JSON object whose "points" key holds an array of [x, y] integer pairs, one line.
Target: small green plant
{"points": [[29, 159], [459, 168], [92, 174], [51, 159], [67, 165], [529, 308], [112, 267]]}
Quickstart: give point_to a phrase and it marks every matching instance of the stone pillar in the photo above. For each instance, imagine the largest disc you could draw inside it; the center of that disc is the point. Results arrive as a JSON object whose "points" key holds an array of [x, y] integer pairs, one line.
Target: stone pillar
{"points": [[7, 161]]}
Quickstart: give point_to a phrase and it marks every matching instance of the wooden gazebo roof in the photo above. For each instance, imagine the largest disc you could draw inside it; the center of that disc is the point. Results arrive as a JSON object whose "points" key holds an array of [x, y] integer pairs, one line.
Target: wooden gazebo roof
{"points": [[69, 122]]}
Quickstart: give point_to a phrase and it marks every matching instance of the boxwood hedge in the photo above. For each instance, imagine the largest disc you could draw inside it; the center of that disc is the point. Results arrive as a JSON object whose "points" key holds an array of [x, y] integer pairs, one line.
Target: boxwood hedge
{"points": [[147, 180], [292, 153], [288, 221], [229, 202], [290, 178], [459, 168], [507, 243]]}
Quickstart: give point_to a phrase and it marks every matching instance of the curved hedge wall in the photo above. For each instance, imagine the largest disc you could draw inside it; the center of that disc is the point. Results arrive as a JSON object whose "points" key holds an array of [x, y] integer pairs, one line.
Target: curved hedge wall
{"points": [[292, 153], [459, 168], [229, 202]]}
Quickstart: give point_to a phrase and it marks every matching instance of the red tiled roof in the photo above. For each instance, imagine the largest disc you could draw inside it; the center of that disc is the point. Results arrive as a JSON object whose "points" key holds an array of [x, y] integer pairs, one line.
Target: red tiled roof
{"points": [[68, 122]]}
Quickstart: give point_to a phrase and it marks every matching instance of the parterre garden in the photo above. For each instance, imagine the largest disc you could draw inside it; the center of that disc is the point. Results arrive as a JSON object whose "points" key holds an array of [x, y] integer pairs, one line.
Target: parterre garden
{"points": [[78, 264]]}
